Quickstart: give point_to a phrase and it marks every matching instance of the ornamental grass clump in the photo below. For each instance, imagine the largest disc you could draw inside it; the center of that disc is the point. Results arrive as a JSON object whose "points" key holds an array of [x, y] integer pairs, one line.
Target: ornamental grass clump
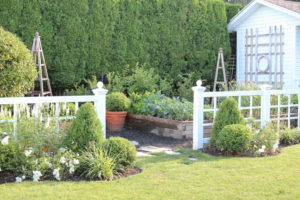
{"points": [[228, 114], [85, 129], [97, 164]]}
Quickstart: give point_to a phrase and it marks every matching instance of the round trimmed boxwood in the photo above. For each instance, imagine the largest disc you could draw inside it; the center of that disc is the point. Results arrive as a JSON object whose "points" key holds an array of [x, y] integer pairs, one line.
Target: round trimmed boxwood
{"points": [[228, 113], [234, 138], [17, 69], [122, 150], [117, 101], [85, 129]]}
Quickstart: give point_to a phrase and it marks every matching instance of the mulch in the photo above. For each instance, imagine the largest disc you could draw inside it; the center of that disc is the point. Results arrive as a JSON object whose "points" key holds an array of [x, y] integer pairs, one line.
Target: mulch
{"points": [[150, 139], [9, 177]]}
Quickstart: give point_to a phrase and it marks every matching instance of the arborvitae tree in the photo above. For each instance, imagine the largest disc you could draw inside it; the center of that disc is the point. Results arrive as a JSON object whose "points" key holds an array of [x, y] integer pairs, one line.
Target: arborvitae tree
{"points": [[85, 129], [84, 38]]}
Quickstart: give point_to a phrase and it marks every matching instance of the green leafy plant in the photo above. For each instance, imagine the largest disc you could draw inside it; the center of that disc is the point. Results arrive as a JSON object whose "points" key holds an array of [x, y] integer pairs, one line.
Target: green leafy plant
{"points": [[85, 129], [43, 138], [122, 150], [228, 113], [158, 105], [265, 139], [290, 136], [185, 86], [234, 138], [96, 163], [117, 101], [17, 70], [12, 158]]}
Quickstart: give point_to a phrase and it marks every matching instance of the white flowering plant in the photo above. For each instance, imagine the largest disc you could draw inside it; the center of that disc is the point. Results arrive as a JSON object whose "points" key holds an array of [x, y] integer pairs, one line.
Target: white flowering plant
{"points": [[265, 140], [65, 164]]}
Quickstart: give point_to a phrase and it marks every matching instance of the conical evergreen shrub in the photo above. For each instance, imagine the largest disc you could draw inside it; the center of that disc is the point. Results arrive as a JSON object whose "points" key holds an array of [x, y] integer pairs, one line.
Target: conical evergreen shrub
{"points": [[85, 129], [228, 113]]}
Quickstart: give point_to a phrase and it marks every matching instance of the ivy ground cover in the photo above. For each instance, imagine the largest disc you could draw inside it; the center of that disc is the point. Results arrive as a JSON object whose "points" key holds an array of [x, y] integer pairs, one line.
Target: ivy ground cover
{"points": [[176, 177]]}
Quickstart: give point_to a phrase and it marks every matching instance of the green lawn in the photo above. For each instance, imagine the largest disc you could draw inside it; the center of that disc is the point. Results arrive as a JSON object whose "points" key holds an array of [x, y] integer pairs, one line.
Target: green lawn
{"points": [[175, 177]]}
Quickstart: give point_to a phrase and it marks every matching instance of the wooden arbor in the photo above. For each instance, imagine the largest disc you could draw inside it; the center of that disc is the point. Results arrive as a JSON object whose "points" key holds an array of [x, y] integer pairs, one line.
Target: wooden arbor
{"points": [[39, 59]]}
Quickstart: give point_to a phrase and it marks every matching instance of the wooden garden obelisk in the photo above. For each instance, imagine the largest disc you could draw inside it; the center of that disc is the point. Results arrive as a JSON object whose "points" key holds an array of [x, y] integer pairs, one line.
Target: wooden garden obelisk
{"points": [[39, 59], [224, 82]]}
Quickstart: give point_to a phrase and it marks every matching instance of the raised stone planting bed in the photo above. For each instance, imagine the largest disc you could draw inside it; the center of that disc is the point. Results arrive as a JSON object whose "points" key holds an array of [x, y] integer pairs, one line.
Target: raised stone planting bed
{"points": [[163, 127]]}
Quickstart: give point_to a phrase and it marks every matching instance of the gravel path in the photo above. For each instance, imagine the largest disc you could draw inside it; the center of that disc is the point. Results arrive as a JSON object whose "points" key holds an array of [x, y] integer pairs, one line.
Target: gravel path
{"points": [[149, 139]]}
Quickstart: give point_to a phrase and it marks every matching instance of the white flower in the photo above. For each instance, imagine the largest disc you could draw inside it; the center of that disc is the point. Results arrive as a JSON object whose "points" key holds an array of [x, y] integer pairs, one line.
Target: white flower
{"points": [[0, 170], [71, 170], [275, 146], [4, 141], [262, 149], [62, 160], [23, 177], [36, 176], [62, 150], [35, 162], [28, 152], [56, 174], [18, 180], [76, 161], [77, 154]]}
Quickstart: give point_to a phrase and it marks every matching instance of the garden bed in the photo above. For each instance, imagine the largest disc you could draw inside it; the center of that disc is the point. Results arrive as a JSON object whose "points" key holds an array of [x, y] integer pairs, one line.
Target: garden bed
{"points": [[164, 127], [8, 177], [215, 152]]}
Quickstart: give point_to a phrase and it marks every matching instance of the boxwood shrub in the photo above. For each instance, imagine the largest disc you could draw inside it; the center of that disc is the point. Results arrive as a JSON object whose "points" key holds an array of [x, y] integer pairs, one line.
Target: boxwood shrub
{"points": [[18, 70], [117, 101], [234, 138], [122, 150]]}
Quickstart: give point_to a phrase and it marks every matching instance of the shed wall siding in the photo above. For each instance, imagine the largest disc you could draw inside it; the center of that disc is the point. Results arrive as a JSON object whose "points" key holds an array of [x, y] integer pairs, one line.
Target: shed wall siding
{"points": [[298, 56], [263, 18]]}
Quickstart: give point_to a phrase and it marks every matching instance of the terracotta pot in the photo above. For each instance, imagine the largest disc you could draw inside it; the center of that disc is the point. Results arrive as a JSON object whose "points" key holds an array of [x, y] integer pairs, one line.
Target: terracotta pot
{"points": [[115, 120]]}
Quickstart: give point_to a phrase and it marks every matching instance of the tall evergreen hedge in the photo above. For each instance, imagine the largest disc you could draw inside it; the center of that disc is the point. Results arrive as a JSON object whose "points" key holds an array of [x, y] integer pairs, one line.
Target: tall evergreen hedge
{"points": [[87, 37]]}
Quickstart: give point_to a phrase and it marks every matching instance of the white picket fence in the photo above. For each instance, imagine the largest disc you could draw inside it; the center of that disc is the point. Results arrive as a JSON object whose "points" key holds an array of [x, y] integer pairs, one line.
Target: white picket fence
{"points": [[98, 99], [259, 102]]}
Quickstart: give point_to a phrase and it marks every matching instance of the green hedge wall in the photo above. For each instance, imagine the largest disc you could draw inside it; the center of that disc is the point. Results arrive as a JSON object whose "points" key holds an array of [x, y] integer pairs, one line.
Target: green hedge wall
{"points": [[232, 10], [87, 37]]}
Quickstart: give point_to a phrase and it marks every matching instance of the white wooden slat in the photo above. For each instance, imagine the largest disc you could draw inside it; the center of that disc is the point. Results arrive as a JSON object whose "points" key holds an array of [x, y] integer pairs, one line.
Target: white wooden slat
{"points": [[48, 99], [15, 120], [289, 111]]}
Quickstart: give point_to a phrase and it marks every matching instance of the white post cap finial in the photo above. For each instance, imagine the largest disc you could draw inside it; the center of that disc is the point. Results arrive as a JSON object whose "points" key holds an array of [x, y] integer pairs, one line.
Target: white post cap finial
{"points": [[100, 85], [199, 83], [99, 90]]}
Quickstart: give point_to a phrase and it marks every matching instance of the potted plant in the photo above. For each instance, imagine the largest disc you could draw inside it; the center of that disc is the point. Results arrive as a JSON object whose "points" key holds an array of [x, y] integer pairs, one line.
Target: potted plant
{"points": [[117, 105]]}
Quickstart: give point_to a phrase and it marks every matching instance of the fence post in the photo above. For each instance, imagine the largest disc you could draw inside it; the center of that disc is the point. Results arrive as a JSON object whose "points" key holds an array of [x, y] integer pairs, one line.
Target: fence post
{"points": [[265, 104], [198, 116], [100, 105]]}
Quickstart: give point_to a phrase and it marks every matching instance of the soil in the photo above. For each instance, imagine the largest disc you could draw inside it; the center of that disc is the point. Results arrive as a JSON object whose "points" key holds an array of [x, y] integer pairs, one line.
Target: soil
{"points": [[9, 177], [150, 139]]}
